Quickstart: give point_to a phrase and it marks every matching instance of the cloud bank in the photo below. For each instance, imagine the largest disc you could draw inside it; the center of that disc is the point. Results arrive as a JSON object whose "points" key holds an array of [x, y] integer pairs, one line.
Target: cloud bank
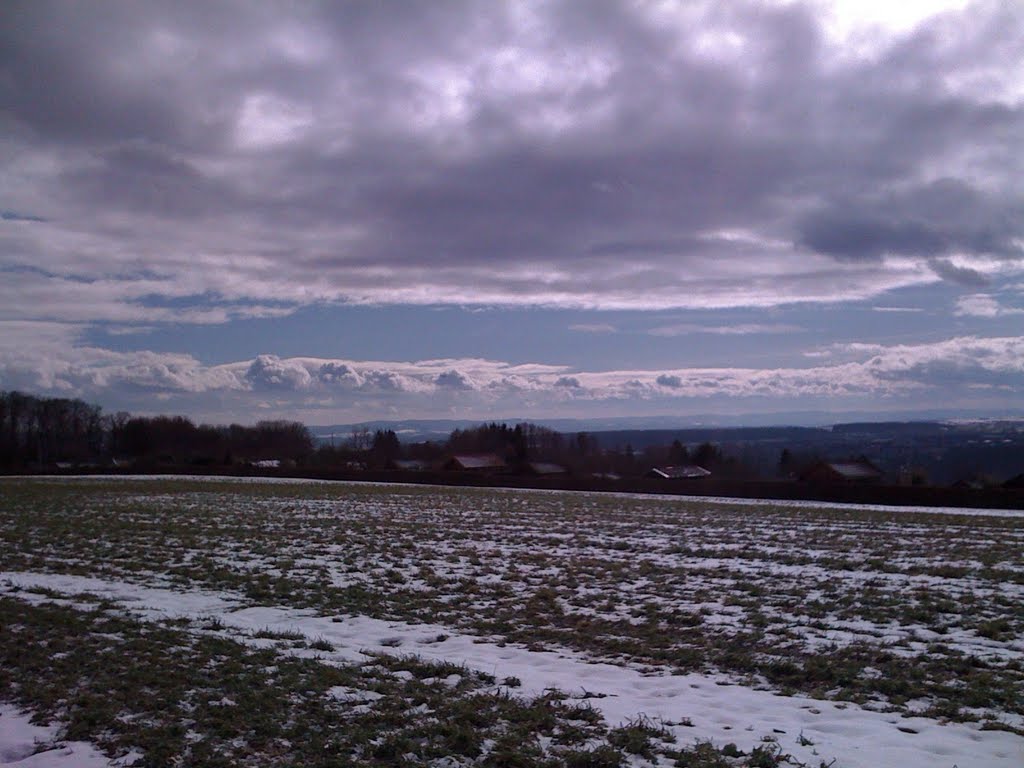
{"points": [[843, 374]]}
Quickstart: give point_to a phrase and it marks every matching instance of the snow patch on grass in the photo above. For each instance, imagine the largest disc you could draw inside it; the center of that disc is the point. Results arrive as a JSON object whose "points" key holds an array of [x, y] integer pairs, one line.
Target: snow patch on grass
{"points": [[709, 705], [26, 745]]}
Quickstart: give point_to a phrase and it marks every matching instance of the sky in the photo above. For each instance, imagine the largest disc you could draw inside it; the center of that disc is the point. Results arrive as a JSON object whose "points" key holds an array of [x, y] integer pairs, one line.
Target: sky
{"points": [[345, 211]]}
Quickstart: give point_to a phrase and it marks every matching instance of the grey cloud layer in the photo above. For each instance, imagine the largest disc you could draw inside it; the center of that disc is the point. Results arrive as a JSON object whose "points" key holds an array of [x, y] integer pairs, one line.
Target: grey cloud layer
{"points": [[616, 155]]}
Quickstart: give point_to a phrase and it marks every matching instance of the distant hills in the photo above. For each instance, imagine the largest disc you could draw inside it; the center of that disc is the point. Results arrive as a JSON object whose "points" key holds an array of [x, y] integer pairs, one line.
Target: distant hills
{"points": [[419, 430]]}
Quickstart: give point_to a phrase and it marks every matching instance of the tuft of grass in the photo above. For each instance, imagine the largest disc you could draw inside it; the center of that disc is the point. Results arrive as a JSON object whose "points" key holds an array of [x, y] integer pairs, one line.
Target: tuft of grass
{"points": [[703, 754], [266, 633], [767, 756], [995, 629], [321, 644], [599, 757], [640, 736]]}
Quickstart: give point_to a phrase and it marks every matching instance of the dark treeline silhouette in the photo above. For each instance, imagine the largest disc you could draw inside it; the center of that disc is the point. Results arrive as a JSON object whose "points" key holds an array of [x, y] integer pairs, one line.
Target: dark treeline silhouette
{"points": [[526, 442], [516, 445], [519, 446], [44, 434], [176, 440], [39, 432], [509, 442], [36, 430], [381, 449]]}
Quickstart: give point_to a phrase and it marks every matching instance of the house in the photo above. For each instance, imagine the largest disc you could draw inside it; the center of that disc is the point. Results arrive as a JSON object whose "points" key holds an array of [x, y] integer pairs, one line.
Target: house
{"points": [[856, 471], [1016, 482], [681, 472], [545, 468], [481, 463], [912, 476], [973, 482], [409, 465]]}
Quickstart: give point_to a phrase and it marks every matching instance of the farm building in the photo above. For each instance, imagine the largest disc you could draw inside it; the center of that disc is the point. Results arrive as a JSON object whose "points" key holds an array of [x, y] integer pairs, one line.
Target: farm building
{"points": [[858, 471], [682, 472], [481, 462], [973, 482], [545, 468], [1015, 482], [409, 465]]}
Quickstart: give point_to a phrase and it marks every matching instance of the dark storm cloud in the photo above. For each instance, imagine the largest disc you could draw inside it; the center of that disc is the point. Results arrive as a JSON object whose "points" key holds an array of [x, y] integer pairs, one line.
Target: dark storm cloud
{"points": [[944, 217], [604, 154], [969, 278], [15, 216], [148, 179], [75, 73]]}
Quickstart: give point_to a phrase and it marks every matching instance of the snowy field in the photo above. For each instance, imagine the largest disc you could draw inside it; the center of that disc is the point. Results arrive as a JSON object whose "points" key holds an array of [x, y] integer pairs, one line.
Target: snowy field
{"points": [[210, 622]]}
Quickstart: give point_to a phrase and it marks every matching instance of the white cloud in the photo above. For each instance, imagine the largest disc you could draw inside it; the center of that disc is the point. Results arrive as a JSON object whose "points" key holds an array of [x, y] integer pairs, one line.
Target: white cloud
{"points": [[740, 329], [984, 305], [593, 328], [48, 357], [849, 19], [270, 371], [266, 120], [34, 295], [853, 371], [454, 379], [340, 375], [962, 359]]}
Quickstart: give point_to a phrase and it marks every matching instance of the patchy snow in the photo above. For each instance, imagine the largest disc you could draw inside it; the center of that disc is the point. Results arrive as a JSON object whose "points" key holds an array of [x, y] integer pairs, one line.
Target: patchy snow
{"points": [[144, 602], [183, 478], [811, 504], [25, 745], [692, 565], [343, 693], [853, 736], [788, 503]]}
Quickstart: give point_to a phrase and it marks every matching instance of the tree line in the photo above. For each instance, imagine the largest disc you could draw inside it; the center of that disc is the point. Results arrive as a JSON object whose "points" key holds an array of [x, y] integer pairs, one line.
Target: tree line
{"points": [[44, 431], [40, 432], [520, 445]]}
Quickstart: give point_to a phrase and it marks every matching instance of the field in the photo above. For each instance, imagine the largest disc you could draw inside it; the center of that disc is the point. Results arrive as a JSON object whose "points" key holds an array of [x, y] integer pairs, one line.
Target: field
{"points": [[208, 622]]}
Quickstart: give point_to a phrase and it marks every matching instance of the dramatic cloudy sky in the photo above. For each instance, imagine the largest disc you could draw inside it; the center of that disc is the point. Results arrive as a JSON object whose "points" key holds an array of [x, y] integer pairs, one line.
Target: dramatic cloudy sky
{"points": [[337, 211]]}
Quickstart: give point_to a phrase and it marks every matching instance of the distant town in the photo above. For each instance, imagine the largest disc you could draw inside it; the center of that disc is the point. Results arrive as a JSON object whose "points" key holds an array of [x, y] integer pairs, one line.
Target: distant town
{"points": [[943, 461]]}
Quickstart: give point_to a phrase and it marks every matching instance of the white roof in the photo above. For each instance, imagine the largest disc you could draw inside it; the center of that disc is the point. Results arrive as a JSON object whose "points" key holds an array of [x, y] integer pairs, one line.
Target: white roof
{"points": [[479, 461], [854, 469], [687, 471], [546, 468]]}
